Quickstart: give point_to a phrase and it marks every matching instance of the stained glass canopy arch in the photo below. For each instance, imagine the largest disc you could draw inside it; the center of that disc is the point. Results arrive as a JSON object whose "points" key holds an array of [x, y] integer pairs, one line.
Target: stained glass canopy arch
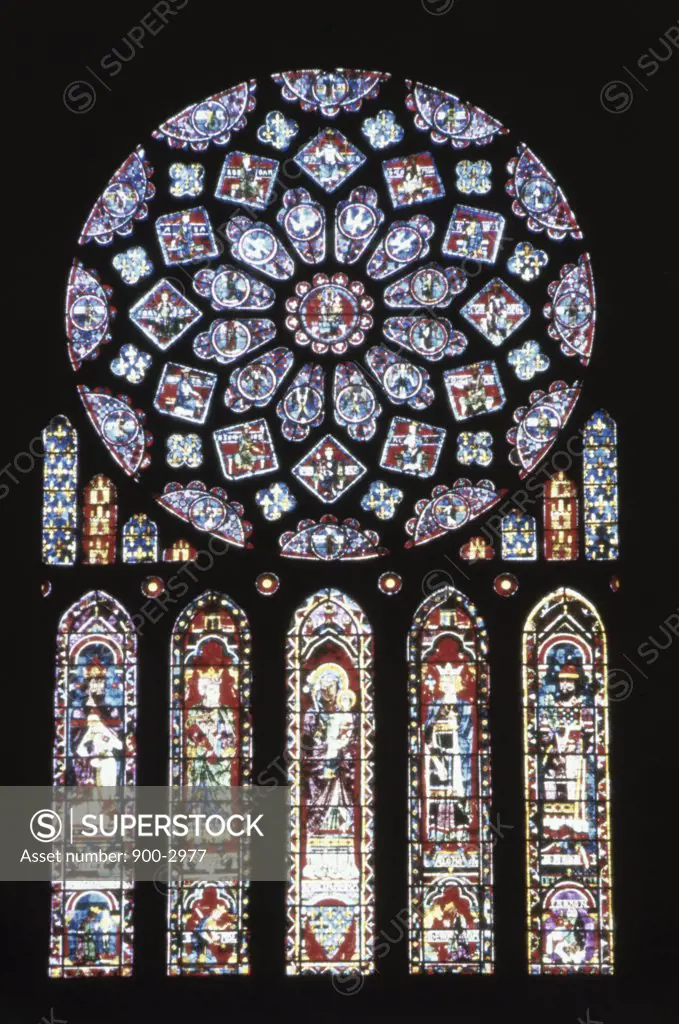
{"points": [[330, 310]]}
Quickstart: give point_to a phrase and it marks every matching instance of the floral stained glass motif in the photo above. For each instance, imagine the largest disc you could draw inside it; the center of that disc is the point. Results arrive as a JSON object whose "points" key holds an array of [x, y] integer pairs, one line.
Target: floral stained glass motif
{"points": [[94, 745], [450, 848], [565, 709], [330, 741], [59, 492], [100, 516], [211, 746], [140, 539], [519, 537], [561, 543], [600, 488]]}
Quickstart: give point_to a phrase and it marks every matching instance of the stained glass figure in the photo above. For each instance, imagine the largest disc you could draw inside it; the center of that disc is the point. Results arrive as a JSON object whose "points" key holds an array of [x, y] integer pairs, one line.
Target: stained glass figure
{"points": [[120, 427], [210, 121], [186, 236], [412, 179], [474, 389], [474, 234], [140, 539], [519, 537], [496, 311], [207, 511], [59, 492], [233, 289], [184, 392], [450, 844], [247, 179], [568, 863], [211, 745], [94, 745], [329, 313], [254, 385], [431, 286], [428, 337], [412, 447], [100, 516], [302, 407], [329, 92], [538, 198], [123, 201], [540, 423], [228, 340], [246, 450], [600, 488], [354, 401], [88, 314], [328, 470], [561, 519], [328, 540], [450, 508], [572, 310], [331, 895], [329, 159], [164, 314], [450, 119]]}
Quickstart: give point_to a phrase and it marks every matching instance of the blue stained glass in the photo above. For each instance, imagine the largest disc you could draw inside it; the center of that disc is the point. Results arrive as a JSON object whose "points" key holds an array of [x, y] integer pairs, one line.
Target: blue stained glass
{"points": [[383, 130], [140, 539], [519, 537], [600, 488]]}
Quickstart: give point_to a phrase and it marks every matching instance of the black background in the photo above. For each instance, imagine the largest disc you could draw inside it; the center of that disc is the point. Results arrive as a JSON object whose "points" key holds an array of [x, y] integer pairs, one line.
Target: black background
{"points": [[540, 70]]}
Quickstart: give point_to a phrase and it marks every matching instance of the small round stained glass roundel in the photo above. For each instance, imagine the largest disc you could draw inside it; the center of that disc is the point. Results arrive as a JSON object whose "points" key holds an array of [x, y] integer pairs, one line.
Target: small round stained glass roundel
{"points": [[330, 287]]}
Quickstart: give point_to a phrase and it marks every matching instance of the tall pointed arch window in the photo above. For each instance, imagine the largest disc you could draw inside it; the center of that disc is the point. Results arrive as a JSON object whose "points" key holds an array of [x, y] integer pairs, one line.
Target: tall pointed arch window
{"points": [[450, 848], [94, 745], [100, 516], [565, 707], [561, 519], [331, 895], [211, 745]]}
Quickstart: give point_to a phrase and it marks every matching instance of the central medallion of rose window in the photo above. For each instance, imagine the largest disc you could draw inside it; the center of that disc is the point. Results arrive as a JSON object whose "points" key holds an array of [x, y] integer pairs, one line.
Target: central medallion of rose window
{"points": [[329, 313]]}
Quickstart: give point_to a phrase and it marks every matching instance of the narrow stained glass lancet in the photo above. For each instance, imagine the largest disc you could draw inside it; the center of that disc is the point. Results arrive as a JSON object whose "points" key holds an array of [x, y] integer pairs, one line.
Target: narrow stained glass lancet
{"points": [[100, 514], [600, 488], [561, 519], [331, 897], [565, 707], [60, 492], [211, 745], [94, 745], [450, 848]]}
